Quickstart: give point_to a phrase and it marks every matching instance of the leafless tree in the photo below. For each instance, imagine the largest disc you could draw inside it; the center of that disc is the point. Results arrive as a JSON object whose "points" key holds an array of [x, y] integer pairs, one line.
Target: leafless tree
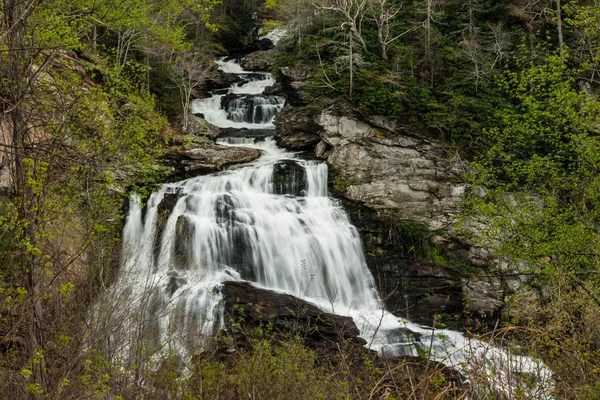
{"points": [[191, 70], [383, 14], [353, 13]]}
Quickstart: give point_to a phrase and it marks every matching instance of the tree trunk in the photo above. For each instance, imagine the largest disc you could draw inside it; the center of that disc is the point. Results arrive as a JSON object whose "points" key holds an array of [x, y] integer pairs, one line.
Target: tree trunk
{"points": [[351, 65], [559, 29]]}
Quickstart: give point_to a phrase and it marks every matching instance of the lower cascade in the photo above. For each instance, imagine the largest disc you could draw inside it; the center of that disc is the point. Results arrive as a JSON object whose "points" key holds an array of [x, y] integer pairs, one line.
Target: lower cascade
{"points": [[271, 223]]}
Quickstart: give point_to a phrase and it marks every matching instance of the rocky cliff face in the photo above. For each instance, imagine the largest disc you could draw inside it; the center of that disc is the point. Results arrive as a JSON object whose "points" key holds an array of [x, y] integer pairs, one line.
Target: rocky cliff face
{"points": [[403, 192], [413, 178]]}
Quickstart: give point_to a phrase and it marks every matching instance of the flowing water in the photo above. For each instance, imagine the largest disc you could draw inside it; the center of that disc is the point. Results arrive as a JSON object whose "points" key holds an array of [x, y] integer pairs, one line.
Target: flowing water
{"points": [[272, 223]]}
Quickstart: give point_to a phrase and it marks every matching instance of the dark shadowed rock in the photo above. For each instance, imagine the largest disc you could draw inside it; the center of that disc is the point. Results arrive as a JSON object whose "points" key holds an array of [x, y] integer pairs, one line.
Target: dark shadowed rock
{"points": [[219, 79], [257, 134], [256, 45], [184, 253], [296, 129], [294, 81], [265, 44], [253, 307], [289, 177], [163, 210]]}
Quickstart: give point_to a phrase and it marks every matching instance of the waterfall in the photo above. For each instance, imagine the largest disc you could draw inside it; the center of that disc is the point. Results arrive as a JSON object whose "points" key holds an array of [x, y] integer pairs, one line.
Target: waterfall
{"points": [[272, 223], [244, 105]]}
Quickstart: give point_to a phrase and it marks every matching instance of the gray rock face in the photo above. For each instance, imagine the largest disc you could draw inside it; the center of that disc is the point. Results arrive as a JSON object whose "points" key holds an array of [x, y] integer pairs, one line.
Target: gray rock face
{"points": [[412, 178], [403, 178], [199, 127], [292, 82], [296, 129], [261, 60]]}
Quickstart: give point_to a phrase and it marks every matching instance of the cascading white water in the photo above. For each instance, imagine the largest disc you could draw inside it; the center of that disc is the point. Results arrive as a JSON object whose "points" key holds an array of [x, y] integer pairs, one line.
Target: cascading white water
{"points": [[243, 106], [272, 223]]}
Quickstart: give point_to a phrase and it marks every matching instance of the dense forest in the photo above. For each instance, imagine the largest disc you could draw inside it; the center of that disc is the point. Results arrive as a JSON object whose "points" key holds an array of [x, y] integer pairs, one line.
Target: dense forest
{"points": [[92, 91]]}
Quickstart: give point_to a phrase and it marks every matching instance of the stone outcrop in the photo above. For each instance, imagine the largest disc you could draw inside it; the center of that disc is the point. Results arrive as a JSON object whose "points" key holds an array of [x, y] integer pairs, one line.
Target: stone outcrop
{"points": [[218, 79], [285, 313], [292, 82], [199, 127], [261, 60], [413, 178], [397, 180], [296, 129], [202, 156]]}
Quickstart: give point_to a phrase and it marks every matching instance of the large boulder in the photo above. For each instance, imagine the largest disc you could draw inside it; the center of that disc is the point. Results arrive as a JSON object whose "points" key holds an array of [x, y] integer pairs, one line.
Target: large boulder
{"points": [[292, 82], [261, 60], [296, 129], [203, 157], [253, 307]]}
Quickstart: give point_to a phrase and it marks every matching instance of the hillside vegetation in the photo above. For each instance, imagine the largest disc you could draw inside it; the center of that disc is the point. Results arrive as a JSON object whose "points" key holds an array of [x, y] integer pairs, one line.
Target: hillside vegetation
{"points": [[511, 86], [90, 89]]}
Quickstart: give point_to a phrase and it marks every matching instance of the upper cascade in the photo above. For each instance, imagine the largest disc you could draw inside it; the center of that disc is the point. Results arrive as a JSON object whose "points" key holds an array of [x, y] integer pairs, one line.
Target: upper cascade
{"points": [[243, 106]]}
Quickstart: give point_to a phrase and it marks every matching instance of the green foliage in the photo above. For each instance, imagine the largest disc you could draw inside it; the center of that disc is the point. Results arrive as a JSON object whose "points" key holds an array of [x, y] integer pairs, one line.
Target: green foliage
{"points": [[375, 94], [535, 202], [539, 172]]}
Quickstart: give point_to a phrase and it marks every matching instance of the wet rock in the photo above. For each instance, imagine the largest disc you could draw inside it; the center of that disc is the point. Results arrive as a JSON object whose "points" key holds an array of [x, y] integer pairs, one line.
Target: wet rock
{"points": [[256, 45], [253, 307], [163, 211], [257, 134], [192, 159], [322, 150], [274, 90], [219, 79], [261, 60], [184, 231], [289, 177], [251, 108], [175, 282], [296, 129]]}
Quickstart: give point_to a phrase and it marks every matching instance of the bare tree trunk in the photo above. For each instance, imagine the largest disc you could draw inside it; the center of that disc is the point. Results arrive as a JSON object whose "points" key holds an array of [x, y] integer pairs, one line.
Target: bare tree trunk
{"points": [[428, 39], [351, 68], [559, 29]]}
